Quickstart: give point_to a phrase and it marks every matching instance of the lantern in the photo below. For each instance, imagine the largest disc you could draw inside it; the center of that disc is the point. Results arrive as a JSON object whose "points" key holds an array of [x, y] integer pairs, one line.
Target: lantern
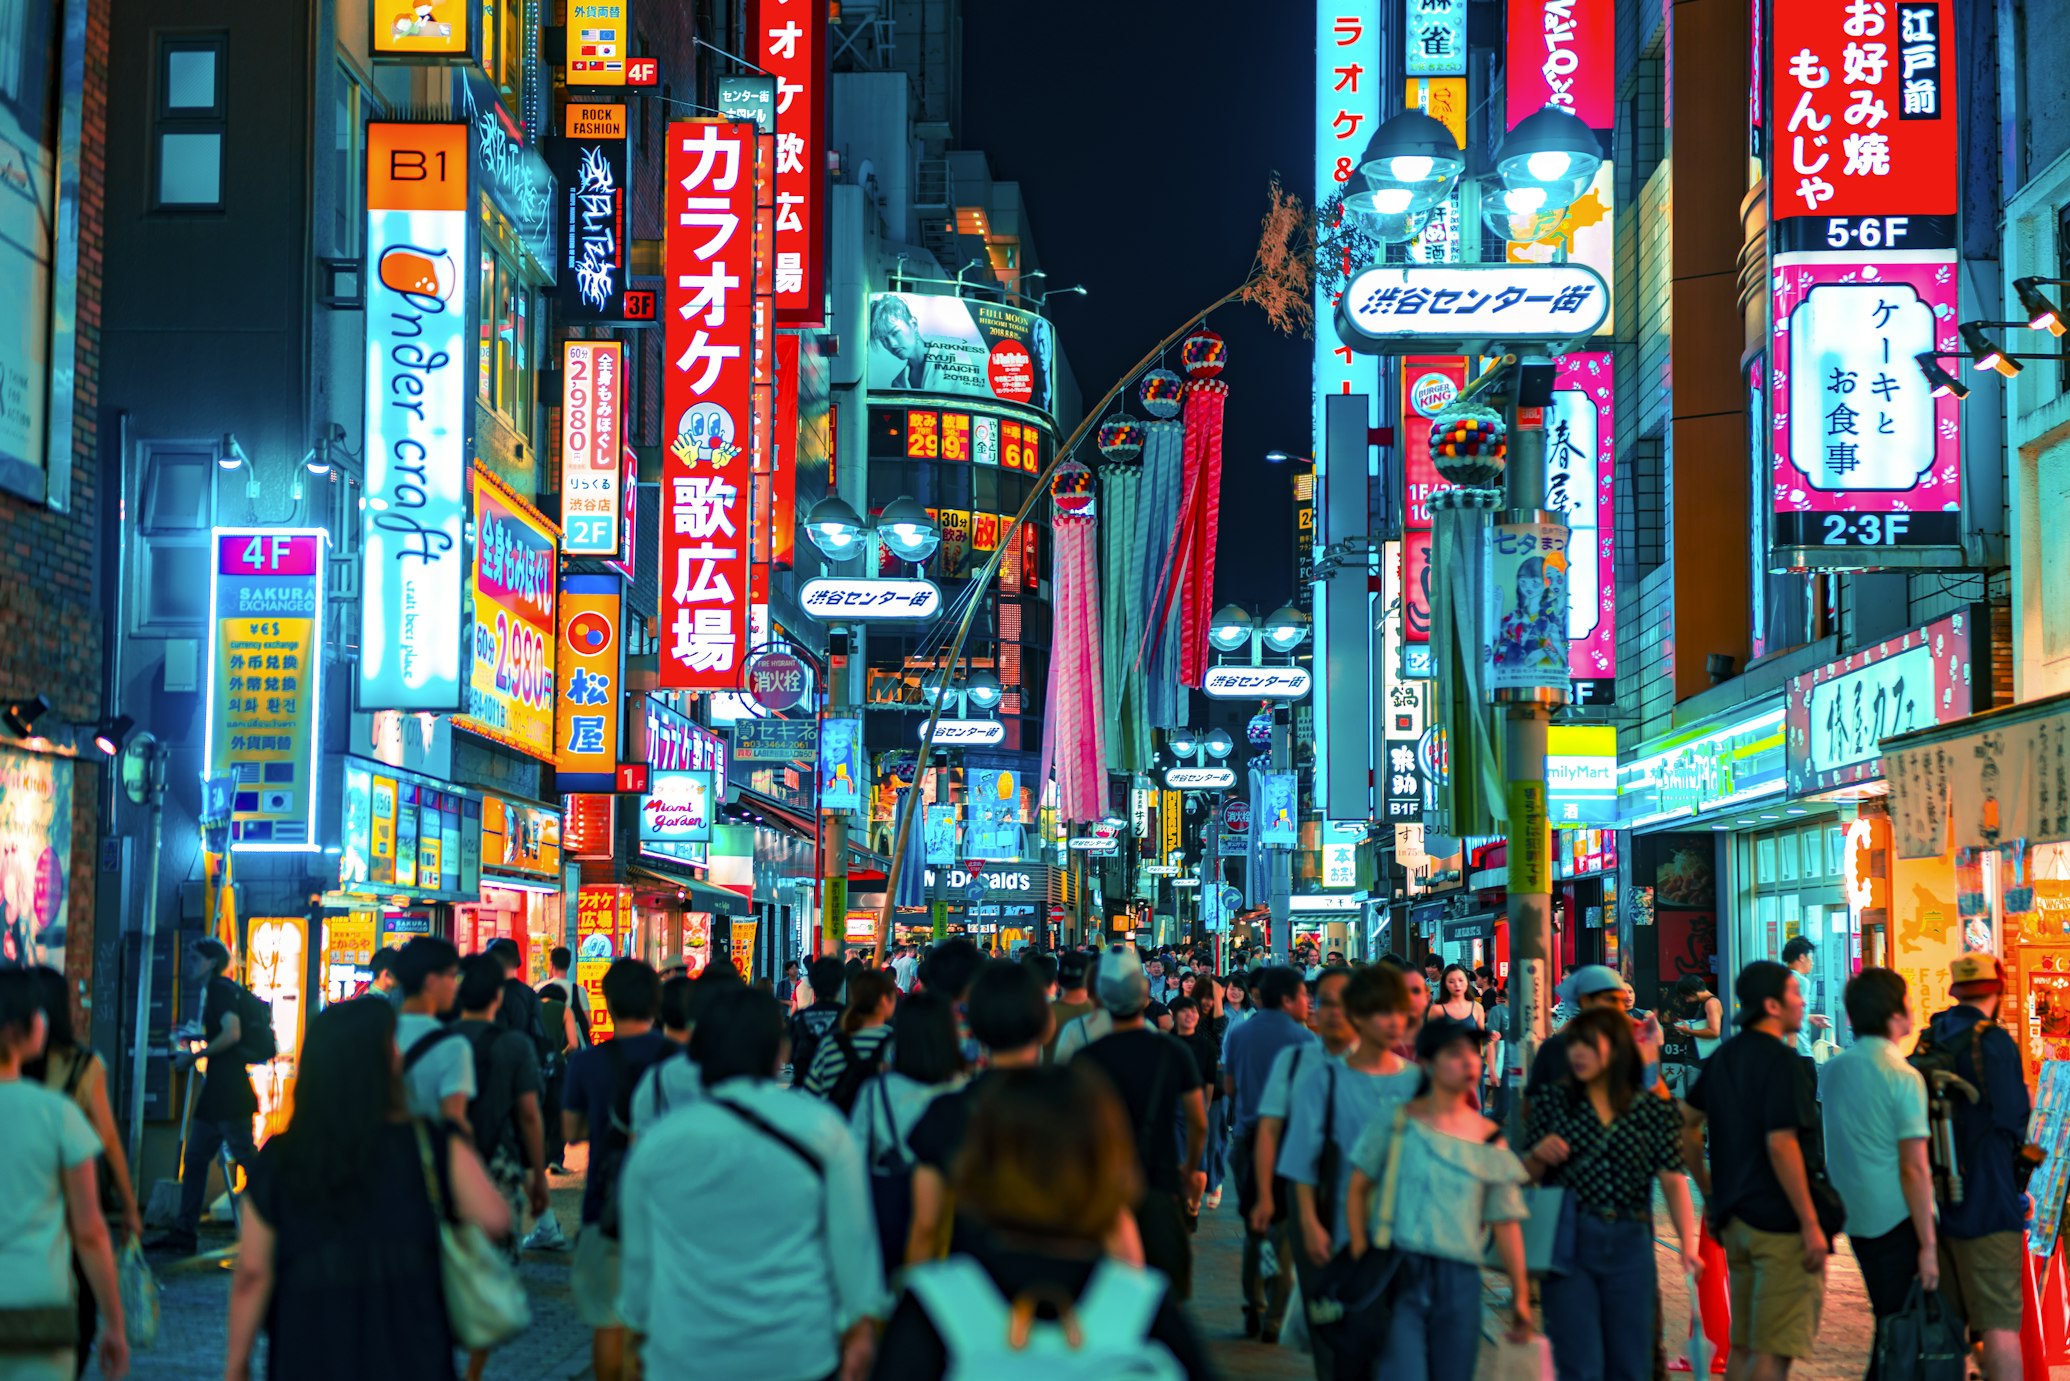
{"points": [[1469, 446], [1071, 492], [1121, 439], [1203, 354], [1162, 393]]}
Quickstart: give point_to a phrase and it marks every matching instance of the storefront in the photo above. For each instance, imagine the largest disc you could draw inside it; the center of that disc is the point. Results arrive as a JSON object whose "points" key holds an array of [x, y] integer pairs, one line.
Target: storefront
{"points": [[521, 897], [410, 851], [1003, 905]]}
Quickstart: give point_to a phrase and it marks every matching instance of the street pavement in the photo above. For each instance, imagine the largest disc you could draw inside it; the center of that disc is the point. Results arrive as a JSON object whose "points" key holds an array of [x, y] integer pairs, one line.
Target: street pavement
{"points": [[196, 1296]]}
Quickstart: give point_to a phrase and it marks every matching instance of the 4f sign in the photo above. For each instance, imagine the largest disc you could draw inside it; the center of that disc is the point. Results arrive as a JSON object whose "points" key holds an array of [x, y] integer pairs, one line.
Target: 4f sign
{"points": [[1256, 683], [964, 733]]}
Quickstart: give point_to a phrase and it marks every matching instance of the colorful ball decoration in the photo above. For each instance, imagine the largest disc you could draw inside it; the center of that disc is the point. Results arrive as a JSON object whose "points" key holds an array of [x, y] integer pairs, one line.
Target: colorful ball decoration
{"points": [[1162, 392], [1072, 493], [1204, 354], [1469, 446], [1259, 729], [1121, 439]]}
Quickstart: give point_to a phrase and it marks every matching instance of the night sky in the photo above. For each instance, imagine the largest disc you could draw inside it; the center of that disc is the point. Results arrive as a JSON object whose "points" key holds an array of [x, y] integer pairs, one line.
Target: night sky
{"points": [[1143, 137]]}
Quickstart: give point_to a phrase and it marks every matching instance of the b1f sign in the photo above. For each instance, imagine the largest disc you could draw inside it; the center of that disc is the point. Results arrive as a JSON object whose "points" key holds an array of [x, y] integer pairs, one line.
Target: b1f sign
{"points": [[592, 376], [414, 567], [1256, 683]]}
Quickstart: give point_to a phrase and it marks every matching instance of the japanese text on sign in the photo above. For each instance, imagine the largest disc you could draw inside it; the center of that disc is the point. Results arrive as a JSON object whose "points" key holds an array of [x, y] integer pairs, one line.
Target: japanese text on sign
{"points": [[265, 681], [791, 43], [871, 599], [591, 373], [1434, 43], [1349, 76]]}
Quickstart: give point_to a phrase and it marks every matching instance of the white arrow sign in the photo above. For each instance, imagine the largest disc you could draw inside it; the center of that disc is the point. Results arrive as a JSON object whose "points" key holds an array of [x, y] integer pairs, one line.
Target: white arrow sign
{"points": [[1256, 683]]}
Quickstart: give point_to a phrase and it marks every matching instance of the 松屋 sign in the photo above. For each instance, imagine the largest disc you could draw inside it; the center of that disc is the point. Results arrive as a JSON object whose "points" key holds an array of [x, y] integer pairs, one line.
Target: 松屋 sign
{"points": [[1199, 778], [790, 41], [706, 396], [1839, 715], [1580, 470], [963, 733], [843, 598], [510, 696], [590, 668], [592, 377], [1256, 683], [1563, 54], [1863, 454], [413, 564], [265, 681], [1403, 309]]}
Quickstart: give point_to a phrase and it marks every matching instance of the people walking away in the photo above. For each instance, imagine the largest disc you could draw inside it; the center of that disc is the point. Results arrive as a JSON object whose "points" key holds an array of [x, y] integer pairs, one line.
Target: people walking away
{"points": [[504, 1113], [1599, 1137], [343, 1222], [1073, 1000], [386, 982], [224, 1108], [50, 1211], [907, 966], [563, 1008], [1331, 1103], [438, 1067], [1047, 1166], [854, 1050], [75, 1072], [1452, 1179], [601, 1082], [675, 1078], [1800, 956], [1045, 970], [1159, 1085], [926, 1062], [812, 1023], [1876, 1147], [1250, 1055], [1982, 1237], [1764, 1189], [1190, 1023], [1007, 1015], [521, 1010], [712, 1282]]}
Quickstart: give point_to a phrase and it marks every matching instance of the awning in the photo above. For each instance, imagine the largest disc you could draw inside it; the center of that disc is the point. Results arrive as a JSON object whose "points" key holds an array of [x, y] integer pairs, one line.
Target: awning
{"points": [[1984, 781], [702, 895]]}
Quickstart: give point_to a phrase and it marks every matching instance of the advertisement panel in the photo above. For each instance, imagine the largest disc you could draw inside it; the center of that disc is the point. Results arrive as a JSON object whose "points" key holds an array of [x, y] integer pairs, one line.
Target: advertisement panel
{"points": [[1401, 711], [589, 172], [603, 932], [427, 31], [706, 397], [414, 561], [1434, 40], [265, 681], [1526, 607], [783, 457], [1348, 89], [962, 346], [790, 43], [589, 665], [1863, 454], [840, 764], [599, 42], [1563, 53], [510, 694], [1864, 114], [35, 857], [776, 740], [677, 809], [39, 249], [1429, 384], [518, 837], [1581, 474], [592, 428], [409, 836], [1838, 716]]}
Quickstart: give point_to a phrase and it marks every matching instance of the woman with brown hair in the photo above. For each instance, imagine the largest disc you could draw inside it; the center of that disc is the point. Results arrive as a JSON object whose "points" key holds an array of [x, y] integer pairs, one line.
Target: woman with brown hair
{"points": [[1605, 1140], [854, 1050], [1048, 1164]]}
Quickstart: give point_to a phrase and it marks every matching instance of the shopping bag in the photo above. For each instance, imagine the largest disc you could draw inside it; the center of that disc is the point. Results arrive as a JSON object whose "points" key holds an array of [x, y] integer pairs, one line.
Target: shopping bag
{"points": [[139, 1291], [1530, 1360], [1924, 1341]]}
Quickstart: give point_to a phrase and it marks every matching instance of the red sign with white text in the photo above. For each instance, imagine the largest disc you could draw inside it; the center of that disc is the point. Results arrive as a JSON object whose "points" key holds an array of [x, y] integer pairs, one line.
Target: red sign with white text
{"points": [[790, 39], [783, 479], [1564, 53], [1864, 113], [1429, 384], [707, 402]]}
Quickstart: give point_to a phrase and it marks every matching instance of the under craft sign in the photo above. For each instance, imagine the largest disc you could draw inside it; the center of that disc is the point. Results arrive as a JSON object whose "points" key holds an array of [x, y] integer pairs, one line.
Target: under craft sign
{"points": [[1256, 683], [1400, 309]]}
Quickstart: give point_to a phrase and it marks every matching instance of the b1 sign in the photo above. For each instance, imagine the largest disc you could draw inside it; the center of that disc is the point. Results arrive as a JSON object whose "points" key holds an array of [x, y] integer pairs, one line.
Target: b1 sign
{"points": [[1256, 683], [1411, 309]]}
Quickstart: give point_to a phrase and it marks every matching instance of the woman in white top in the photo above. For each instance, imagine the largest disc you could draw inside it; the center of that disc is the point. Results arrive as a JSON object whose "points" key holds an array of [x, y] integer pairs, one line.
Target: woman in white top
{"points": [[926, 1062]]}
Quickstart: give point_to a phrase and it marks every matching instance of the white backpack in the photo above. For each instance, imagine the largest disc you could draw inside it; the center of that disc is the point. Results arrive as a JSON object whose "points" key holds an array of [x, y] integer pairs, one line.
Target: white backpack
{"points": [[1105, 1336]]}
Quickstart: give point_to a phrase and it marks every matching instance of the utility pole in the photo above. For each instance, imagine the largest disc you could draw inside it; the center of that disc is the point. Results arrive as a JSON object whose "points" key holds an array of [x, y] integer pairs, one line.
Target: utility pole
{"points": [[1281, 900], [154, 755]]}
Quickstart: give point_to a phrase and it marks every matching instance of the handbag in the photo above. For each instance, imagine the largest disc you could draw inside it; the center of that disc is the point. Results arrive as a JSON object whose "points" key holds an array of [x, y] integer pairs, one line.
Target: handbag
{"points": [[891, 1185], [1924, 1341], [139, 1291], [1350, 1303], [485, 1300], [1549, 1231], [1530, 1360]]}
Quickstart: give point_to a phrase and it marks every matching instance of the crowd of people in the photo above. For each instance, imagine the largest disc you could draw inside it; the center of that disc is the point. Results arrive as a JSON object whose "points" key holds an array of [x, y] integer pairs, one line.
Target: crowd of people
{"points": [[915, 1169]]}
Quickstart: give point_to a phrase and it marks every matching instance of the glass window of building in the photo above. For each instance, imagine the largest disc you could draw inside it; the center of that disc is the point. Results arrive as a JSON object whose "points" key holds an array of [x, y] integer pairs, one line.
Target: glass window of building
{"points": [[1793, 889], [191, 120], [507, 367], [503, 50], [348, 163], [171, 570]]}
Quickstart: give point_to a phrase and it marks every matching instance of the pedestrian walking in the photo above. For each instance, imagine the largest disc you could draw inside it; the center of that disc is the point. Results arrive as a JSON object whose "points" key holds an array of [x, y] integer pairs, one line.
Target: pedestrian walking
{"points": [[1590, 987], [1703, 1015], [50, 1211], [1764, 1188], [1800, 956], [387, 983], [1455, 998], [926, 1062], [854, 1050], [1047, 1166], [1073, 1000], [1600, 1137], [811, 1024], [1194, 1028], [712, 1282], [1982, 1238], [675, 1079], [437, 1065], [601, 1082], [342, 1221], [563, 1009], [1453, 1179], [1258, 1056], [1876, 1146], [76, 1073], [224, 1108]]}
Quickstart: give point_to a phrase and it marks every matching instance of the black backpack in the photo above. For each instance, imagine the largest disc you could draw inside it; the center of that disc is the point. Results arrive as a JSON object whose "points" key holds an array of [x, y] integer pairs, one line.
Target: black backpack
{"points": [[808, 1029], [855, 1073], [487, 1128], [256, 1043]]}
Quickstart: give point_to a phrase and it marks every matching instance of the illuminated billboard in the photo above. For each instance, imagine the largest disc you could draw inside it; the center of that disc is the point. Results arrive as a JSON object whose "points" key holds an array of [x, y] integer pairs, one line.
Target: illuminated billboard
{"points": [[592, 422], [510, 693], [1563, 53], [265, 681], [962, 346], [790, 44], [590, 686], [1581, 472]]}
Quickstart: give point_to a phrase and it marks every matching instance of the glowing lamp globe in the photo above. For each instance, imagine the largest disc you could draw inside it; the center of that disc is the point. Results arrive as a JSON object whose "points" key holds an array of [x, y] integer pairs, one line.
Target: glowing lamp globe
{"points": [[1071, 493], [1469, 446], [1204, 354], [1121, 439], [1162, 392]]}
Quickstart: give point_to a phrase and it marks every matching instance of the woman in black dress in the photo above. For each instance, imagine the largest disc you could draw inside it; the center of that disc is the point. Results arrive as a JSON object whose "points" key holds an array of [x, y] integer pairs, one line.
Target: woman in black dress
{"points": [[340, 1223]]}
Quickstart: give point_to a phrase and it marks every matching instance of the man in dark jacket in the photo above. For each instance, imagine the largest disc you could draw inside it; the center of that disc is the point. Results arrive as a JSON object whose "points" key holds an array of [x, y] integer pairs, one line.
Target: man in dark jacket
{"points": [[828, 975]]}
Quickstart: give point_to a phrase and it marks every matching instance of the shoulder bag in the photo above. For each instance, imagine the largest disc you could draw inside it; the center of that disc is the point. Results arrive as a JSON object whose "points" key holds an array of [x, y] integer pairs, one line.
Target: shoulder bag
{"points": [[1351, 1307], [891, 1181], [485, 1300]]}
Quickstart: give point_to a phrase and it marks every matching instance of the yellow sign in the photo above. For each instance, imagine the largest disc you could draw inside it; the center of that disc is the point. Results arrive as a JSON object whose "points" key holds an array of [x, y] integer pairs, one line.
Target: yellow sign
{"points": [[1169, 814], [744, 948], [510, 694], [520, 838], [265, 682], [1443, 99], [603, 925], [423, 28], [595, 121], [597, 42], [1530, 839], [586, 719]]}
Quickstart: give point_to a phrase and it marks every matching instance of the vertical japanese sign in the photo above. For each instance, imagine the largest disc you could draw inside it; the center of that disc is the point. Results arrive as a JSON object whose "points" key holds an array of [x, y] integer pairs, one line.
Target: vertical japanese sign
{"points": [[592, 376], [1429, 384], [586, 723], [418, 401], [590, 179], [599, 41], [790, 38], [1581, 470], [783, 456], [706, 401], [1348, 81], [510, 694], [1401, 708], [1563, 53], [603, 932], [265, 681], [1434, 39]]}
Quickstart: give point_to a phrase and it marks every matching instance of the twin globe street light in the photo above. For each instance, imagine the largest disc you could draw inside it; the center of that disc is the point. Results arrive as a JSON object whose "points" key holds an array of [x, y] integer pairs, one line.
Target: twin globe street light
{"points": [[903, 527], [1412, 164]]}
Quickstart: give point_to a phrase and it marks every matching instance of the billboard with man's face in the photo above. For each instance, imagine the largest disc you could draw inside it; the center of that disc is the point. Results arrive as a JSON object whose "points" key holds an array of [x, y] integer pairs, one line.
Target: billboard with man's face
{"points": [[962, 347]]}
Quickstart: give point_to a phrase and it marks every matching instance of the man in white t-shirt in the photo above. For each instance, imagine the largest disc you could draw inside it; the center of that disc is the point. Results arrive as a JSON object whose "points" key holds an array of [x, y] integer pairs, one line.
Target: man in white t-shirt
{"points": [[905, 966], [438, 1065]]}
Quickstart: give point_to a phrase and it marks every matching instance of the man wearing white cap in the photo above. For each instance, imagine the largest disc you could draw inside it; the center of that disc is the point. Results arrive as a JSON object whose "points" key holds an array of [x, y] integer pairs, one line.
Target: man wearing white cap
{"points": [[1593, 985]]}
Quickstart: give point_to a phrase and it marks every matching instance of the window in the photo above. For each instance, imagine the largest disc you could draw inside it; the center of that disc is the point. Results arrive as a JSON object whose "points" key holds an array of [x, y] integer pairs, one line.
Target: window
{"points": [[507, 385], [348, 164], [190, 124], [503, 50], [170, 573], [1796, 890]]}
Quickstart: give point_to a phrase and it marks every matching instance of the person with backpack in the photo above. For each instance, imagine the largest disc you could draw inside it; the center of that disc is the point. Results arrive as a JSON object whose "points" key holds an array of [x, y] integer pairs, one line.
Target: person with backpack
{"points": [[854, 1050], [437, 1068], [1257, 1054], [598, 1109], [237, 1026], [712, 1282], [675, 1080], [562, 1009], [926, 1062], [1048, 1167], [1983, 1236], [504, 1112], [812, 1023]]}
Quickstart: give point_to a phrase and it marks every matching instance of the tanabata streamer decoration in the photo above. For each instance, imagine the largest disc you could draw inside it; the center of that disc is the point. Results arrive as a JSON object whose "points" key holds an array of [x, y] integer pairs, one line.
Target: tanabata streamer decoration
{"points": [[1192, 582], [1203, 354], [1163, 394], [1121, 439], [1074, 731]]}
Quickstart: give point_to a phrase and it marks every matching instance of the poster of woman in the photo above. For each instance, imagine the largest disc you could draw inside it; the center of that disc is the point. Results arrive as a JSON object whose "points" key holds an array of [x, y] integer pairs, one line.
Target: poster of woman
{"points": [[1527, 592]]}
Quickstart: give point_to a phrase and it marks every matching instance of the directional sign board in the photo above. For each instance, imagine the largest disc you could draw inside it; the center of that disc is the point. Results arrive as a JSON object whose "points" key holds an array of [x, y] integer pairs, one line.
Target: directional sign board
{"points": [[1256, 683], [1457, 309], [838, 599]]}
